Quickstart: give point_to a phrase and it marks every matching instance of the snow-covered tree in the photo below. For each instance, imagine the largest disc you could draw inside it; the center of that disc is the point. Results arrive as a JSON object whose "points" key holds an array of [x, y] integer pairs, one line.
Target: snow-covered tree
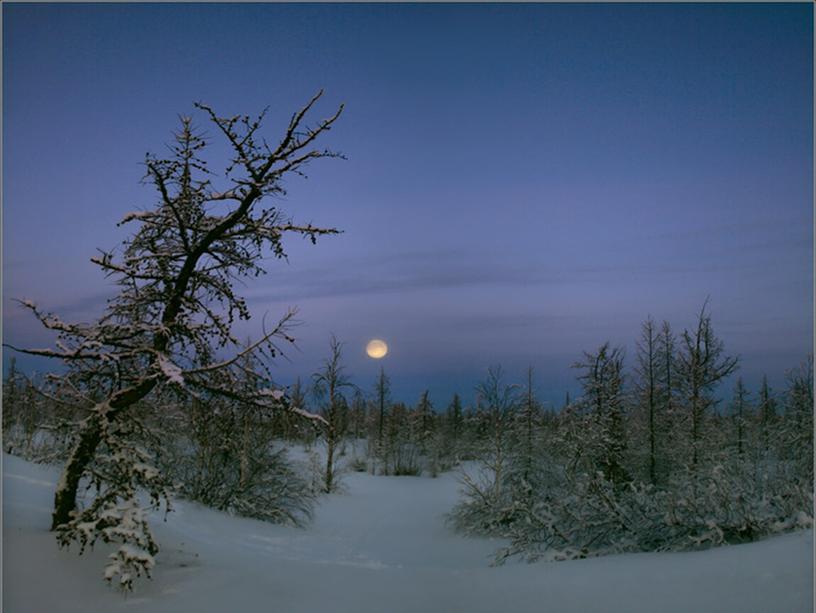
{"points": [[423, 422], [604, 441], [378, 450], [11, 385], [668, 402], [648, 391], [170, 325], [294, 428], [454, 417], [400, 446], [798, 429], [766, 413], [701, 366], [486, 490], [357, 414], [498, 400], [526, 435], [329, 382], [740, 411]]}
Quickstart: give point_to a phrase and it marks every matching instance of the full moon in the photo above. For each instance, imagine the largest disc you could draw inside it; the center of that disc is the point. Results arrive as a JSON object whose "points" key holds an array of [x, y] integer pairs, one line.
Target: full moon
{"points": [[376, 349]]}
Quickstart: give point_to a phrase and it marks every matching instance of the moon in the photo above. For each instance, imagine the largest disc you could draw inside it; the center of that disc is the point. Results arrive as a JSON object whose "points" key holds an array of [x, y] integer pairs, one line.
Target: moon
{"points": [[376, 349]]}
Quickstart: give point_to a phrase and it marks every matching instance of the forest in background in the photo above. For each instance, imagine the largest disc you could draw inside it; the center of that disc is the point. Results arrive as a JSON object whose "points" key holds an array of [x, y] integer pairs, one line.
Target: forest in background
{"points": [[646, 459]]}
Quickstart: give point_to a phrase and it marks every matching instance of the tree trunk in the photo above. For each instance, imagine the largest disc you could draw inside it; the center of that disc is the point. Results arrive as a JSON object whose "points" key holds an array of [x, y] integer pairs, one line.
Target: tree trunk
{"points": [[89, 437], [330, 442], [244, 452], [81, 456], [652, 454]]}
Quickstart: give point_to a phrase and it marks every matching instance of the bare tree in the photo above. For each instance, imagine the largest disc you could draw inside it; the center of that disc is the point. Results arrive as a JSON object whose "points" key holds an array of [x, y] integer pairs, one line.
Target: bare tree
{"points": [[382, 390], [176, 303], [647, 386], [455, 417], [498, 400], [799, 415], [667, 386], [424, 421], [740, 407], [767, 412], [329, 382], [526, 426], [701, 365], [10, 400], [358, 414], [293, 428]]}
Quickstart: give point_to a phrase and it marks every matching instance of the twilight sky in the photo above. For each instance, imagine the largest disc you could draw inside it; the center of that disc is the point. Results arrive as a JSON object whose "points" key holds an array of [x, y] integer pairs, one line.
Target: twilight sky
{"points": [[523, 182]]}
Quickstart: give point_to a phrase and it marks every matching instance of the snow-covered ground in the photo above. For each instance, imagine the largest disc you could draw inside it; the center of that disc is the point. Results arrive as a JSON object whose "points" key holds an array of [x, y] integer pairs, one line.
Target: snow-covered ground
{"points": [[381, 547]]}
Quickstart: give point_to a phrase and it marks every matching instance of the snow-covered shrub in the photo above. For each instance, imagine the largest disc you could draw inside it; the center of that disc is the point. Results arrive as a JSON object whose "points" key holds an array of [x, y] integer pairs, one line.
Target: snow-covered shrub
{"points": [[38, 420], [400, 449], [588, 515], [223, 455], [484, 507], [585, 516], [404, 459], [358, 464], [731, 503], [440, 455]]}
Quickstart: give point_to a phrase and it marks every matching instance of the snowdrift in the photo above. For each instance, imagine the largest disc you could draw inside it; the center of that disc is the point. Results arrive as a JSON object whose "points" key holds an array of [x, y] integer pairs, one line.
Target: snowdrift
{"points": [[381, 547]]}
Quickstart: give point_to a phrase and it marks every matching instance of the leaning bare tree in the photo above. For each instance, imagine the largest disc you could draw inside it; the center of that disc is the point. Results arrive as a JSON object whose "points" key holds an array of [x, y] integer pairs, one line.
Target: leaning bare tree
{"points": [[170, 326]]}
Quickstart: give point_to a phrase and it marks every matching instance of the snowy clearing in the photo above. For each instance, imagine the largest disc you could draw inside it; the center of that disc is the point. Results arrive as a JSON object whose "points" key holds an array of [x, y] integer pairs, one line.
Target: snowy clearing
{"points": [[380, 547]]}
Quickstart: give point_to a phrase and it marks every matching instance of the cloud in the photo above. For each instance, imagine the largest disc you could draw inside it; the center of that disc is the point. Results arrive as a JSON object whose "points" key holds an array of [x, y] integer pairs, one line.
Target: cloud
{"points": [[403, 272], [458, 269], [759, 227]]}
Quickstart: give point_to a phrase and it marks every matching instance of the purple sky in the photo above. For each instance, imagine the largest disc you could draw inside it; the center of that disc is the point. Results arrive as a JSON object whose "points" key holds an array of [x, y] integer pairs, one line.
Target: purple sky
{"points": [[523, 182]]}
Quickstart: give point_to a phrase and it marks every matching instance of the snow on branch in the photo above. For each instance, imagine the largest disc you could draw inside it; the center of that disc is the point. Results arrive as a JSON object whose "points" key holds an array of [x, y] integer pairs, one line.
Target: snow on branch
{"points": [[170, 370], [134, 216]]}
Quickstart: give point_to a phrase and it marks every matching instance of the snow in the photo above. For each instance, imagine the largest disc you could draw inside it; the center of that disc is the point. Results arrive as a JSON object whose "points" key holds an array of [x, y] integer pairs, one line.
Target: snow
{"points": [[135, 215], [276, 394], [170, 370], [380, 547]]}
